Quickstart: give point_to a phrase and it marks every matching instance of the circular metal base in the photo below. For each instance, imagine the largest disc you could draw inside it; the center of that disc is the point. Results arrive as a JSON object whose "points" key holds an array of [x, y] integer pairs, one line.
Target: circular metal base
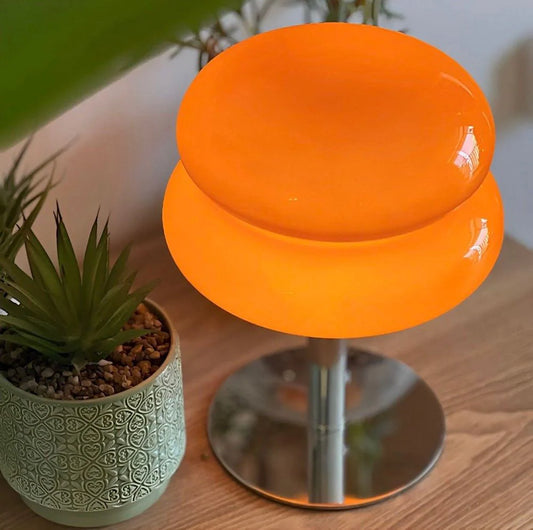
{"points": [[260, 429]]}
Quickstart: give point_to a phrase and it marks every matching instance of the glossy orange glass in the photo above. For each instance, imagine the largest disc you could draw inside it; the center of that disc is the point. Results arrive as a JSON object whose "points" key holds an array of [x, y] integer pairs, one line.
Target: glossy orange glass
{"points": [[336, 289], [334, 182], [335, 132]]}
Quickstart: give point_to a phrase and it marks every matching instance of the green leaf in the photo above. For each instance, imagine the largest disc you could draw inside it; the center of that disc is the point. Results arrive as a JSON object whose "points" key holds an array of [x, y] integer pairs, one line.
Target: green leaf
{"points": [[110, 302], [67, 262], [16, 196], [22, 287], [68, 315], [126, 309], [46, 348], [89, 267], [10, 179], [44, 272], [18, 238], [101, 267], [54, 53], [30, 326], [24, 309], [119, 271]]}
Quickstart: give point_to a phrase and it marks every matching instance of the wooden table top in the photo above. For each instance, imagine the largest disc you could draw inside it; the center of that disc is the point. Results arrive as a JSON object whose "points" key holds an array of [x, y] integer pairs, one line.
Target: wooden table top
{"points": [[478, 358]]}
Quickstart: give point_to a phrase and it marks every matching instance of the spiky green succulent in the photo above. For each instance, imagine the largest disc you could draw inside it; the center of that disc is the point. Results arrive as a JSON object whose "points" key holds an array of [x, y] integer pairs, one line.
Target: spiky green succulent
{"points": [[69, 314], [19, 195]]}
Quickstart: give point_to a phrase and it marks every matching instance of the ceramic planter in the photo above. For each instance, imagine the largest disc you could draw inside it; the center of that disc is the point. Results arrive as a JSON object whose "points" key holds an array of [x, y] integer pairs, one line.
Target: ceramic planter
{"points": [[100, 461]]}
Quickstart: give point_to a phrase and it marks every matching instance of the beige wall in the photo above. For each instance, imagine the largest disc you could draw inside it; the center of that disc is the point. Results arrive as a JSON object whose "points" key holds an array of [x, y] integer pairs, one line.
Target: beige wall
{"points": [[123, 152], [125, 146]]}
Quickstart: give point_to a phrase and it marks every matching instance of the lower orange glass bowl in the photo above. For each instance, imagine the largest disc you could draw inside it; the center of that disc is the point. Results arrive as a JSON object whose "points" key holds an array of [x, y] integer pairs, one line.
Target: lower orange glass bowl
{"points": [[331, 289]]}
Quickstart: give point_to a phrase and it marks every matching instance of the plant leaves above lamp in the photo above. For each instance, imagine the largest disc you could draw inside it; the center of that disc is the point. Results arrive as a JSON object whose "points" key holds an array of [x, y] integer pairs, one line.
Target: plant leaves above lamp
{"points": [[252, 15], [55, 53]]}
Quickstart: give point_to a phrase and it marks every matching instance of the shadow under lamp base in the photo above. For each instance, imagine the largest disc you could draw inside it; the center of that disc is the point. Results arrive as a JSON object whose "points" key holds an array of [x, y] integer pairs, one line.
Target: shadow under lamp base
{"points": [[326, 426]]}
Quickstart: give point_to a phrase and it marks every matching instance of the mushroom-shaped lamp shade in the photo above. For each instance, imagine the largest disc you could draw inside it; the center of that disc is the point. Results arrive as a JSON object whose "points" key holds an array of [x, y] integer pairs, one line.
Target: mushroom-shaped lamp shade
{"points": [[334, 182]]}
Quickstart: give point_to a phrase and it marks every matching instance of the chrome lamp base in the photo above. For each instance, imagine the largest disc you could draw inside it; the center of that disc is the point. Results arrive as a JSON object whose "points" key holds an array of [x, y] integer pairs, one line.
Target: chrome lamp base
{"points": [[327, 426]]}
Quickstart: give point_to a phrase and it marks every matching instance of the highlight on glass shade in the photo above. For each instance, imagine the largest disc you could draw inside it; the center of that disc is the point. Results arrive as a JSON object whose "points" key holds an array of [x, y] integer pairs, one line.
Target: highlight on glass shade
{"points": [[334, 182]]}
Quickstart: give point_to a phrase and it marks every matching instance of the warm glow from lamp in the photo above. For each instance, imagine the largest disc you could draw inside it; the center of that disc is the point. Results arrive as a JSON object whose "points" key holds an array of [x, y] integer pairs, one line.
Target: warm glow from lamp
{"points": [[331, 177]]}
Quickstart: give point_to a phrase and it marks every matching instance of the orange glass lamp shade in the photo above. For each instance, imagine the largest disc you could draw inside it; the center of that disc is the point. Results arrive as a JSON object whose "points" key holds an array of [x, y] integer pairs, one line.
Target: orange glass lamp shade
{"points": [[334, 182]]}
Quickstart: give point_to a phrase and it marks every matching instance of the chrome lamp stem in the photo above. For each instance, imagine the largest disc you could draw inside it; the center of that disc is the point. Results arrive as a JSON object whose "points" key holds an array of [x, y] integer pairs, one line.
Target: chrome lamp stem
{"points": [[326, 420]]}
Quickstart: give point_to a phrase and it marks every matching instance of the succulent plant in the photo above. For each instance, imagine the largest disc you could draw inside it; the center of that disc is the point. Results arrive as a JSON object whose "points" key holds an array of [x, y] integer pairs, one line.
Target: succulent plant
{"points": [[17, 195], [70, 314]]}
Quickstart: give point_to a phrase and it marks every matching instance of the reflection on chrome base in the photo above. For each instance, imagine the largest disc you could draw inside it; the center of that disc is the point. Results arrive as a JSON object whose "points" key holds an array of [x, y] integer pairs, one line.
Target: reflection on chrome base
{"points": [[327, 426]]}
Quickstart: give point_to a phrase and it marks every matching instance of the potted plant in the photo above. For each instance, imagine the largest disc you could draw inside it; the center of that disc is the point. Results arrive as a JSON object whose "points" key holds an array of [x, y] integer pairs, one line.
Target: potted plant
{"points": [[91, 402]]}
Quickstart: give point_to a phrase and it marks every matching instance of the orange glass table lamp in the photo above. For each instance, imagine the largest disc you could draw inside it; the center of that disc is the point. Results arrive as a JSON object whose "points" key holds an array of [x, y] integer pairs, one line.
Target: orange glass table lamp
{"points": [[334, 183]]}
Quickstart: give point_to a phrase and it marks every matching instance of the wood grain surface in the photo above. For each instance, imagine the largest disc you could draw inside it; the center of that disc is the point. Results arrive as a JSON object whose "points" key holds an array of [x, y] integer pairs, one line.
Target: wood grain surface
{"points": [[478, 358]]}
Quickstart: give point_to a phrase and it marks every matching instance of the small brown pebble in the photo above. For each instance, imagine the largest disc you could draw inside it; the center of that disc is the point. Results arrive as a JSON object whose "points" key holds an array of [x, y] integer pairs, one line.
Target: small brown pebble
{"points": [[29, 385], [145, 367], [107, 390], [115, 356], [125, 359], [134, 361], [103, 362], [136, 349]]}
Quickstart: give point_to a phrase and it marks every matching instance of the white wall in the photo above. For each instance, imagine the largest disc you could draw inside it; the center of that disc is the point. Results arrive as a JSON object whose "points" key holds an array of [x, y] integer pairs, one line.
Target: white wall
{"points": [[126, 148], [124, 151], [493, 40]]}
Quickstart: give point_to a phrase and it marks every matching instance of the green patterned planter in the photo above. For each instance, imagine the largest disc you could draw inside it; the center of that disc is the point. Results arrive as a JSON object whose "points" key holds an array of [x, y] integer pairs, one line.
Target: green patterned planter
{"points": [[95, 462]]}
